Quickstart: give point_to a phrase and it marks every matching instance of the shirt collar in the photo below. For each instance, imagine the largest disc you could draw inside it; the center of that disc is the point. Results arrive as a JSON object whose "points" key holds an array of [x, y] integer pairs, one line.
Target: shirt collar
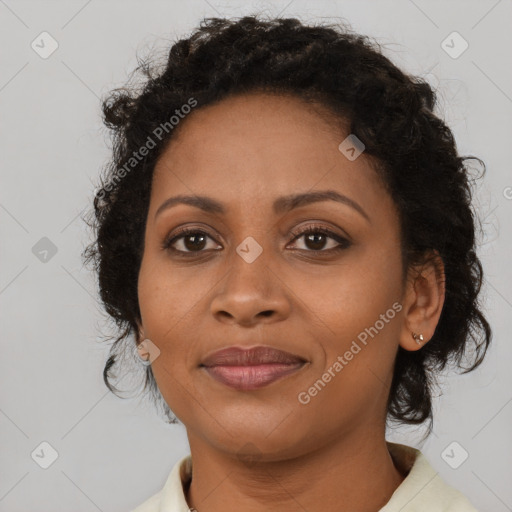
{"points": [[422, 485]]}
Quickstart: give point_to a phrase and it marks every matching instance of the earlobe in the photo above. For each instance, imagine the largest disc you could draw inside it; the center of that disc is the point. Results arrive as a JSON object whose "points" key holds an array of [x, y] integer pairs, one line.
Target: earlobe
{"points": [[424, 302]]}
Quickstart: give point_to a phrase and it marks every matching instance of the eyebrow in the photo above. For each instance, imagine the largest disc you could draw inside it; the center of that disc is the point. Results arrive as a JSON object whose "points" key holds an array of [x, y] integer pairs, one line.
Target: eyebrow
{"points": [[281, 204]]}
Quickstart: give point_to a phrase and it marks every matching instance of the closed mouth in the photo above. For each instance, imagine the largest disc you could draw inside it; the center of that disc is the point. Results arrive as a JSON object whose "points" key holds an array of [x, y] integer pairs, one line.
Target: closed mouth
{"points": [[246, 369]]}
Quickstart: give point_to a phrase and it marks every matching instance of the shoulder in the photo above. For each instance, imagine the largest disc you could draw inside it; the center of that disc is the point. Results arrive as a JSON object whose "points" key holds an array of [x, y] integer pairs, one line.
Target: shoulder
{"points": [[171, 497], [423, 488], [150, 505]]}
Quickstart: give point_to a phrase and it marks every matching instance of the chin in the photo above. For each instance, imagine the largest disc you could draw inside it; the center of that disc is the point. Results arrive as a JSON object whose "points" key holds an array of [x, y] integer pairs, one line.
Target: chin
{"points": [[261, 437]]}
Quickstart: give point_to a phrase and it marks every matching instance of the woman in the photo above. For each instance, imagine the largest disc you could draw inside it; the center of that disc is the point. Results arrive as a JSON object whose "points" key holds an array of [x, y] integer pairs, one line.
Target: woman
{"points": [[285, 234]]}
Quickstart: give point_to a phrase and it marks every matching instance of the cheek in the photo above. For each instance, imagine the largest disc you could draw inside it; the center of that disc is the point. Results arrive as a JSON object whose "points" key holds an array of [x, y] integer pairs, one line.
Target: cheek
{"points": [[354, 294], [161, 307], [357, 326], [169, 301], [356, 311], [166, 295]]}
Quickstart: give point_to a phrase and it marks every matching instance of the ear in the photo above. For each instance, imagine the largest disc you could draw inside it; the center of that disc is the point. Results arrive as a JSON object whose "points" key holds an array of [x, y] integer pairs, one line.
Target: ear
{"points": [[424, 300]]}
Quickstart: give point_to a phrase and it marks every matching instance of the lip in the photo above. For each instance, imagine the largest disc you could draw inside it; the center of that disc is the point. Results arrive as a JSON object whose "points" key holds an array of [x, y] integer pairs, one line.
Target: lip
{"points": [[251, 368]]}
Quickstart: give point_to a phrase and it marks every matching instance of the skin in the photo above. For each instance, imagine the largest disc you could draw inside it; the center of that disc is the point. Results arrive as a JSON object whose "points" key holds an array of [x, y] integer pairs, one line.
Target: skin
{"points": [[263, 450]]}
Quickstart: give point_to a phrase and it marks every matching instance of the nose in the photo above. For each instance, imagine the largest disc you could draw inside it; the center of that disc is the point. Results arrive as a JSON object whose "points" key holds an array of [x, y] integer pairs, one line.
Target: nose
{"points": [[251, 293]]}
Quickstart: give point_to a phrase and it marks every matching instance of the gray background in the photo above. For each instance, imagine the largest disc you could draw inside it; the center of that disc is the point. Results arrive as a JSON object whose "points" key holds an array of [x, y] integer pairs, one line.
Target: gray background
{"points": [[113, 453]]}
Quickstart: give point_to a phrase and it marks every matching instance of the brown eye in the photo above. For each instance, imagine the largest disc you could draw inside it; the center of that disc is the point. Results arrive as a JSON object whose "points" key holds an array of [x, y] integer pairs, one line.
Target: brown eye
{"points": [[316, 238], [194, 241], [188, 240]]}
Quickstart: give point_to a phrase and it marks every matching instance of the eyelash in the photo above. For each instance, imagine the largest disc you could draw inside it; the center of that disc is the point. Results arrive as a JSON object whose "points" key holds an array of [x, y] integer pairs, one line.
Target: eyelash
{"points": [[344, 243]]}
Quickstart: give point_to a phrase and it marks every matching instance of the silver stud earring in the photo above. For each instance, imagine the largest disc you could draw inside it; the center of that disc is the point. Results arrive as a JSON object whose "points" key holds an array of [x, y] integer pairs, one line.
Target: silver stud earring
{"points": [[418, 338]]}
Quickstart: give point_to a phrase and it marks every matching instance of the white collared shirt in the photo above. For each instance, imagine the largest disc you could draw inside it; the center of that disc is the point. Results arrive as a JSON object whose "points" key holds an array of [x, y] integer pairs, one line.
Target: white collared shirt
{"points": [[422, 490]]}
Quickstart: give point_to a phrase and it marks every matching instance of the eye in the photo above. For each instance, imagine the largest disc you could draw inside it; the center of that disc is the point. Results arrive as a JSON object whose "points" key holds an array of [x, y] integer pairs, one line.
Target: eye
{"points": [[191, 240], [315, 237]]}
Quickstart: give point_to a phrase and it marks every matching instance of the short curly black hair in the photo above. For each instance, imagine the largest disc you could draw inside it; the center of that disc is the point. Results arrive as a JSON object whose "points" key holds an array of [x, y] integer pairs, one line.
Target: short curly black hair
{"points": [[390, 111]]}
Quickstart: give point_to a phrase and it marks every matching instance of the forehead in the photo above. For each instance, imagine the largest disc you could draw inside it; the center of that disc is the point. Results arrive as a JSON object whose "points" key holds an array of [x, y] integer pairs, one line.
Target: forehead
{"points": [[256, 147]]}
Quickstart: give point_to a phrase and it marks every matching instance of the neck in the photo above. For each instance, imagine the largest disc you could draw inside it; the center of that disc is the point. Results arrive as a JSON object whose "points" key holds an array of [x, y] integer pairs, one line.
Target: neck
{"points": [[356, 474]]}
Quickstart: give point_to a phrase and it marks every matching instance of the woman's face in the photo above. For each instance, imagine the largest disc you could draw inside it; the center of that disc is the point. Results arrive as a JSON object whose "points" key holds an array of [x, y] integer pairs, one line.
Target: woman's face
{"points": [[254, 280]]}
